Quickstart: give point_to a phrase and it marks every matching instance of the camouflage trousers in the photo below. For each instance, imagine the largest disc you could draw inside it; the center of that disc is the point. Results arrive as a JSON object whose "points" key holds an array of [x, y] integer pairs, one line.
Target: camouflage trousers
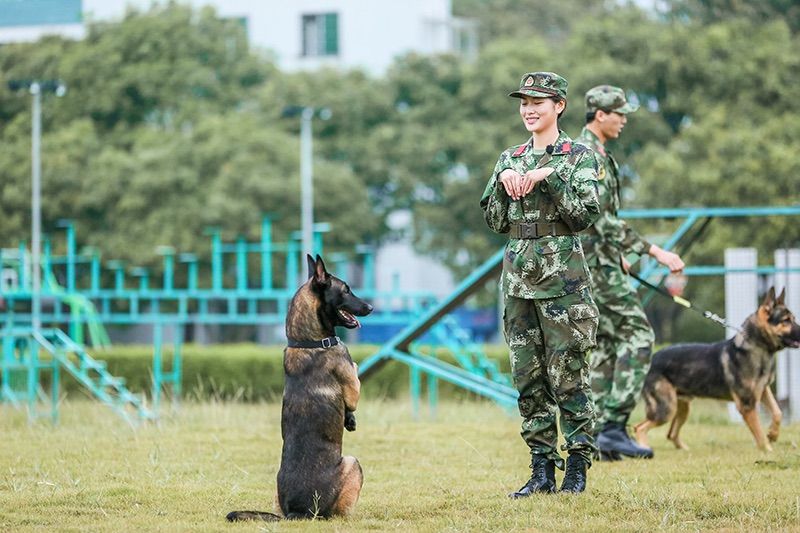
{"points": [[624, 346], [548, 341]]}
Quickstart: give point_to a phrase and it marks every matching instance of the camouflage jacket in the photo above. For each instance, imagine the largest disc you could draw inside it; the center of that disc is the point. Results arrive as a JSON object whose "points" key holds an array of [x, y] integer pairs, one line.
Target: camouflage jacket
{"points": [[610, 237], [553, 265]]}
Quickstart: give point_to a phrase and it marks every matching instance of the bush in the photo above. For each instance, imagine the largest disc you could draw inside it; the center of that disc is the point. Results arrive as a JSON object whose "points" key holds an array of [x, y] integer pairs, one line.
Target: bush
{"points": [[252, 372]]}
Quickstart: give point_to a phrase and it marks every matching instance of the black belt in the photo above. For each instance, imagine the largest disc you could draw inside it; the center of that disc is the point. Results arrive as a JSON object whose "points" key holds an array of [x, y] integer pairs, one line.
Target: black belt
{"points": [[537, 230], [327, 342]]}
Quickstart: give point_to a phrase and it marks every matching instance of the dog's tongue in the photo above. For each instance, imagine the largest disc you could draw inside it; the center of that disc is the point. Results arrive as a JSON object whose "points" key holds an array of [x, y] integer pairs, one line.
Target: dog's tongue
{"points": [[350, 316]]}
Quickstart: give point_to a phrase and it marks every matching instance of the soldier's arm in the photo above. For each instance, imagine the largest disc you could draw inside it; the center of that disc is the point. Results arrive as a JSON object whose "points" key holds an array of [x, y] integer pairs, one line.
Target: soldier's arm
{"points": [[575, 194], [495, 200], [619, 234]]}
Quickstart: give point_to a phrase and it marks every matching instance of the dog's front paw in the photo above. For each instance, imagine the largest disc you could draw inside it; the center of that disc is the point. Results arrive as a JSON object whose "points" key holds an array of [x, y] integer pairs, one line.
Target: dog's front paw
{"points": [[349, 421], [773, 435]]}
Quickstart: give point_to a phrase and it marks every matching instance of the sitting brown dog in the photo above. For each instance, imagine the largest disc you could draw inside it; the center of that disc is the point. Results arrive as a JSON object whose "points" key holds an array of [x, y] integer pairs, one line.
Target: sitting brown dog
{"points": [[739, 369], [319, 397]]}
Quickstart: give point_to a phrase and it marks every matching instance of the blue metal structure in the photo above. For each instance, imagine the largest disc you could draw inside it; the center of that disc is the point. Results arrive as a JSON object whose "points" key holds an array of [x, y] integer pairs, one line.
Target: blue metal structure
{"points": [[86, 303], [495, 385], [234, 298]]}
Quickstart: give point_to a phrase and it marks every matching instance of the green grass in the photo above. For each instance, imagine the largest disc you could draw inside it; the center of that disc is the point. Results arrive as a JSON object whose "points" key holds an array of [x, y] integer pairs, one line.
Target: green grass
{"points": [[92, 473]]}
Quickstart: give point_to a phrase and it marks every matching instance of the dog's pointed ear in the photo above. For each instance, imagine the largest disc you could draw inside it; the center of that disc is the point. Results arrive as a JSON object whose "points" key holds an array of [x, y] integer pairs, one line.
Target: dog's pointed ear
{"points": [[312, 266], [769, 298], [321, 276], [782, 298]]}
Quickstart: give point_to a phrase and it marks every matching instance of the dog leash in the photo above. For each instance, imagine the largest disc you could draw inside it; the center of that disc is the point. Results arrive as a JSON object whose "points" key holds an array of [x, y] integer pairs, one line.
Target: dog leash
{"points": [[685, 303]]}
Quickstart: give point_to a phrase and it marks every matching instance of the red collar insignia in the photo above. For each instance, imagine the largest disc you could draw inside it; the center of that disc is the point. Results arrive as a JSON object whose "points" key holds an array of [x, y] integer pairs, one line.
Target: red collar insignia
{"points": [[601, 150], [521, 150]]}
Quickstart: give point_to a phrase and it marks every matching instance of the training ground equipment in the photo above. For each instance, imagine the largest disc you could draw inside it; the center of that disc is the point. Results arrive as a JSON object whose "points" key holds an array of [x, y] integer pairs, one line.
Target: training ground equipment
{"points": [[401, 347]]}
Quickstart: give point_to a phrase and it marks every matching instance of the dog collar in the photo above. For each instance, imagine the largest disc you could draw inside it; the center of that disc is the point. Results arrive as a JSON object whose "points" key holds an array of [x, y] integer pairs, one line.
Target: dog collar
{"points": [[327, 342]]}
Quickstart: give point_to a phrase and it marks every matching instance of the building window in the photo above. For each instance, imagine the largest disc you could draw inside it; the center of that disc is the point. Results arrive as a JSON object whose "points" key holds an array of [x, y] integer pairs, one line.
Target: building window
{"points": [[320, 35]]}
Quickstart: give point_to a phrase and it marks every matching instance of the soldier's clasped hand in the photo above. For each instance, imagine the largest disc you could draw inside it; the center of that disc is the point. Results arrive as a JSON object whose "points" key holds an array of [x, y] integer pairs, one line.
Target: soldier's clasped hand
{"points": [[518, 185]]}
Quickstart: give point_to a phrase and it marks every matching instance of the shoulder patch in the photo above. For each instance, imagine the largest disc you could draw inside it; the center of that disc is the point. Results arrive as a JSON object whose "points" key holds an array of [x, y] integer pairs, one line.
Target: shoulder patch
{"points": [[568, 147], [521, 149], [579, 148]]}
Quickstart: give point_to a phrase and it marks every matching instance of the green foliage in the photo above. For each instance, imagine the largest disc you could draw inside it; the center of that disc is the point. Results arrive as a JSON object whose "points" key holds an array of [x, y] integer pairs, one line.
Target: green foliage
{"points": [[172, 124], [250, 372]]}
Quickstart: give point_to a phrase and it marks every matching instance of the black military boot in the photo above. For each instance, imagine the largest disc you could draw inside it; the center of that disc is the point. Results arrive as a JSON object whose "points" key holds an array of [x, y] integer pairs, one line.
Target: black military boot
{"points": [[575, 476], [543, 478], [614, 439], [609, 456]]}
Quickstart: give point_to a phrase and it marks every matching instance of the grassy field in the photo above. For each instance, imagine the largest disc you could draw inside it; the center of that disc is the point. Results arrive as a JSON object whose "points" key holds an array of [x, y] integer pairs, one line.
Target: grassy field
{"points": [[92, 473]]}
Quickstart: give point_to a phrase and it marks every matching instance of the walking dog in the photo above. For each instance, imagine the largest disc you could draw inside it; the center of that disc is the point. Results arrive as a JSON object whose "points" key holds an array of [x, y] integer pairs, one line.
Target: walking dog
{"points": [[320, 394], [739, 369]]}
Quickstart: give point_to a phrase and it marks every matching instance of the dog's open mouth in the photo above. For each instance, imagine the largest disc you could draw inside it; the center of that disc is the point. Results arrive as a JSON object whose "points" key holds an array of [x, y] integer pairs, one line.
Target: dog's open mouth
{"points": [[350, 321], [792, 343]]}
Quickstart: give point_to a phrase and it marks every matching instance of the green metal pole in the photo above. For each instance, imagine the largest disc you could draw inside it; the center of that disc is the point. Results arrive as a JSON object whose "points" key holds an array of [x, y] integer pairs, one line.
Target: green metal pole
{"points": [[119, 274], [369, 265], [241, 263], [95, 270], [433, 394], [33, 376], [293, 248], [191, 275], [157, 337], [70, 227], [216, 260], [22, 272], [266, 253], [54, 388], [169, 266], [414, 382], [177, 364]]}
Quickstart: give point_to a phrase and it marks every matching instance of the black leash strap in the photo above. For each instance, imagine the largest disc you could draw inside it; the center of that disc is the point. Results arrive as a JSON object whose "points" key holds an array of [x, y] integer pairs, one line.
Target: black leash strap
{"points": [[327, 342], [685, 303]]}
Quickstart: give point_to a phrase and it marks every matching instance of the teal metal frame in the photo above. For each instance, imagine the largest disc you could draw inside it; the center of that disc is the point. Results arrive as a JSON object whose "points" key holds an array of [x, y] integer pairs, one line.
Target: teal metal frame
{"points": [[235, 301], [495, 385], [231, 299]]}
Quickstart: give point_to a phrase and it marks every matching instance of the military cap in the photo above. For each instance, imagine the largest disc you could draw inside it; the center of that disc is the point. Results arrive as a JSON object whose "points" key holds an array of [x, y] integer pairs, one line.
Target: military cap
{"points": [[541, 85], [608, 98]]}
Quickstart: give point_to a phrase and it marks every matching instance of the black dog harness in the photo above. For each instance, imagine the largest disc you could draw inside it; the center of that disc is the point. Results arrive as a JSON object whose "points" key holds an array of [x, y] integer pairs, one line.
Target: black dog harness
{"points": [[327, 342]]}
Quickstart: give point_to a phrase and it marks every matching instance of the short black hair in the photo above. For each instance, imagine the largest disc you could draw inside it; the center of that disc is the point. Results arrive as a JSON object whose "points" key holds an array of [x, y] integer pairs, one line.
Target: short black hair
{"points": [[590, 116]]}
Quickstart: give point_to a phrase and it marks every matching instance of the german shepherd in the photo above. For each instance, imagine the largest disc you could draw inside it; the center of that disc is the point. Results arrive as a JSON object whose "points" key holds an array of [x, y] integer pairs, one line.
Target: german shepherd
{"points": [[320, 395], [739, 369]]}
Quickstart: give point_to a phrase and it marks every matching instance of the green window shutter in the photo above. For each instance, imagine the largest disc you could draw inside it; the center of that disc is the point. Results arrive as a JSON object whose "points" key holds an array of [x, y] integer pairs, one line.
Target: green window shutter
{"points": [[331, 34]]}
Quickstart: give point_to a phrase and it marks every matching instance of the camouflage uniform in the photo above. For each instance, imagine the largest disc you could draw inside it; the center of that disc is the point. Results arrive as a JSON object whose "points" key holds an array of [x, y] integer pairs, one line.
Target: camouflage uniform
{"points": [[624, 336], [550, 318]]}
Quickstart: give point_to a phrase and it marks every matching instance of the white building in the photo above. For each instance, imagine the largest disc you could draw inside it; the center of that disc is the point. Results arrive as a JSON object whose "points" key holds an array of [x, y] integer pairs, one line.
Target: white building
{"points": [[302, 34]]}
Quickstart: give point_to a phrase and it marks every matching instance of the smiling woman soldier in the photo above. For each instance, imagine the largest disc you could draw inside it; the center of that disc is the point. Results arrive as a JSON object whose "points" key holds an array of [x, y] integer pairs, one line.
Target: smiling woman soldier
{"points": [[542, 193]]}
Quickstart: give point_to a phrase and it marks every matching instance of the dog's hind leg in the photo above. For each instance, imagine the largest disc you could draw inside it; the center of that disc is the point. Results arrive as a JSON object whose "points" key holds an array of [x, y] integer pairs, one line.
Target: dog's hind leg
{"points": [[352, 480], [660, 398], [677, 423], [775, 412]]}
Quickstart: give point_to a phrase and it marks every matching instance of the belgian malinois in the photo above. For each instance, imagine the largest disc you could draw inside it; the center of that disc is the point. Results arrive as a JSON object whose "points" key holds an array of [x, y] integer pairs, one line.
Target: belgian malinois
{"points": [[320, 395], [739, 369]]}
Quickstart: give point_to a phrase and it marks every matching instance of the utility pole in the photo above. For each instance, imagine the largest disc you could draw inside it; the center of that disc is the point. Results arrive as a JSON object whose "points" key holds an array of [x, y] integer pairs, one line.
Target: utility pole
{"points": [[307, 114], [36, 88], [307, 180]]}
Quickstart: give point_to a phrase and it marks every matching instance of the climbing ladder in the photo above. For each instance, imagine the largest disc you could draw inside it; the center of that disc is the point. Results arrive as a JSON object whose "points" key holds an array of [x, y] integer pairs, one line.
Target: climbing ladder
{"points": [[27, 352], [448, 334]]}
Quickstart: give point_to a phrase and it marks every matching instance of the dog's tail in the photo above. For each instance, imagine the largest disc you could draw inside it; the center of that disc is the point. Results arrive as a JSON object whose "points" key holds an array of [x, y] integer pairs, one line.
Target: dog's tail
{"points": [[660, 398], [238, 516]]}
